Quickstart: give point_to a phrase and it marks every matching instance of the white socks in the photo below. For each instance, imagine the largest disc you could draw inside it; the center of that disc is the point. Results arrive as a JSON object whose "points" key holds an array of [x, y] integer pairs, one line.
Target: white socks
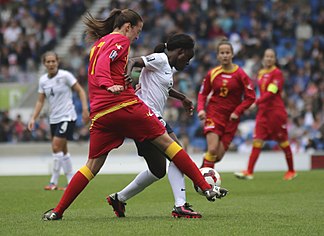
{"points": [[177, 182], [67, 167], [64, 161], [141, 181], [56, 167]]}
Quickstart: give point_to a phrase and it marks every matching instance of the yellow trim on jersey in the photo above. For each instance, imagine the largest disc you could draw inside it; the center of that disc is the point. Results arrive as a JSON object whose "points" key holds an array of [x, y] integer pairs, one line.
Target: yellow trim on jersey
{"points": [[172, 150], [257, 143], [216, 71], [210, 157], [284, 144], [235, 67], [219, 69], [265, 71], [273, 88], [112, 109], [86, 172]]}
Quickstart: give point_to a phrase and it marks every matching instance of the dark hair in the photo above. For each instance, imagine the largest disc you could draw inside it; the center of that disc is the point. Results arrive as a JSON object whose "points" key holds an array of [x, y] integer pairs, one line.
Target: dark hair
{"points": [[95, 29], [176, 41], [49, 53], [224, 41]]}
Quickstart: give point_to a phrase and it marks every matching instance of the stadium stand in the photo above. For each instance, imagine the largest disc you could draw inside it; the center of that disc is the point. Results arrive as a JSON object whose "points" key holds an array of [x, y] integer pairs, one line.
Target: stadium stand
{"points": [[295, 29]]}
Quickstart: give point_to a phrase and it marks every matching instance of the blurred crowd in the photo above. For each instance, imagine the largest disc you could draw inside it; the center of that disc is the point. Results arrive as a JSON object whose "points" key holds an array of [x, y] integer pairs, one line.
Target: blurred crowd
{"points": [[295, 29]]}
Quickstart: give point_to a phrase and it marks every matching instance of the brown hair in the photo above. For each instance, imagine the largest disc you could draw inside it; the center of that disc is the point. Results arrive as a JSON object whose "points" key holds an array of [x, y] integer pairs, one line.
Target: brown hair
{"points": [[224, 41], [95, 29], [49, 53]]}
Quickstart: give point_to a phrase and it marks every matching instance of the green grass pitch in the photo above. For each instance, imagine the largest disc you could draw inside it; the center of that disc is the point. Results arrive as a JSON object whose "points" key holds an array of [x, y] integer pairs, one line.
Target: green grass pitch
{"points": [[266, 205]]}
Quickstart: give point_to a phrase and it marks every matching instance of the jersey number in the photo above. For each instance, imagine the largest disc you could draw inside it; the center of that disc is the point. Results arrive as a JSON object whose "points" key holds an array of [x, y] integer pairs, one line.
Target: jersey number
{"points": [[94, 52], [224, 89]]}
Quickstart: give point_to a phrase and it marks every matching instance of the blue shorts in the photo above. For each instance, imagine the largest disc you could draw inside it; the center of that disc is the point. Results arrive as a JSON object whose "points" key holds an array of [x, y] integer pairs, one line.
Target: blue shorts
{"points": [[64, 129]]}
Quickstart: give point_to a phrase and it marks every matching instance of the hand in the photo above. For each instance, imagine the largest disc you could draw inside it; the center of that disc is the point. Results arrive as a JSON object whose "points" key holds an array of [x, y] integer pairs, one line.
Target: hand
{"points": [[188, 106], [234, 116], [128, 79], [202, 115], [116, 89], [31, 124], [137, 87], [85, 116]]}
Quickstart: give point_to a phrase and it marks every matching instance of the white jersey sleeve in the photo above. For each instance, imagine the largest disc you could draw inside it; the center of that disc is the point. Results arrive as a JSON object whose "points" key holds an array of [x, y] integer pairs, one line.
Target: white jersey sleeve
{"points": [[156, 80]]}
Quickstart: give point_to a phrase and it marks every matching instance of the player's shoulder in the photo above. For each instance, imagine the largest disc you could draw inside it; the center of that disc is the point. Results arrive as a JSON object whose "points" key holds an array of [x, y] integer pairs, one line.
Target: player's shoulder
{"points": [[116, 39]]}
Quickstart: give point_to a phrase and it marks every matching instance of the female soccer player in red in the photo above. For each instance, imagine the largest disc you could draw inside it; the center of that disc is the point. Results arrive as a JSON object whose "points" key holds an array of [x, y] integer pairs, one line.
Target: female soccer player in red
{"points": [[271, 120], [225, 93], [116, 112]]}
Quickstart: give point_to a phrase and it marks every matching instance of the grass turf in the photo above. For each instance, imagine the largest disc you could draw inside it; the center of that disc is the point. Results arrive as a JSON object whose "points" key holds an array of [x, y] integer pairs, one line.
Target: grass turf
{"points": [[265, 206]]}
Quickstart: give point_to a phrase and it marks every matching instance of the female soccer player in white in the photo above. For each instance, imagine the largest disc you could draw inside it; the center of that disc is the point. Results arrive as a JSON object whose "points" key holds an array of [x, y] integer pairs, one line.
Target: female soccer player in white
{"points": [[154, 88], [57, 85]]}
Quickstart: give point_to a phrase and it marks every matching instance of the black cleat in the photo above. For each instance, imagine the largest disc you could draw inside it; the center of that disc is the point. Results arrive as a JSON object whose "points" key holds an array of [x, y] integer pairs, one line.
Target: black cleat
{"points": [[215, 192], [118, 206], [51, 215], [185, 211]]}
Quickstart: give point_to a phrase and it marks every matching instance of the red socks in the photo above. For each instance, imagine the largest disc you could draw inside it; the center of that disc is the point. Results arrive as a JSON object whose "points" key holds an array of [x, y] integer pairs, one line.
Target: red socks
{"points": [[78, 182], [289, 158], [253, 158]]}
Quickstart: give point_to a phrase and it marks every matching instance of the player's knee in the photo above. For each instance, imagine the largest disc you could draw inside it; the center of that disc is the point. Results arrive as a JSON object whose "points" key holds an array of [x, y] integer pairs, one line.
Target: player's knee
{"points": [[257, 143], [159, 173]]}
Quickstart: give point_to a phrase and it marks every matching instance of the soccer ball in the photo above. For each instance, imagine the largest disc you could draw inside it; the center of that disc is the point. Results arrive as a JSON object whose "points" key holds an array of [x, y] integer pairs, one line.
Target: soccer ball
{"points": [[211, 176]]}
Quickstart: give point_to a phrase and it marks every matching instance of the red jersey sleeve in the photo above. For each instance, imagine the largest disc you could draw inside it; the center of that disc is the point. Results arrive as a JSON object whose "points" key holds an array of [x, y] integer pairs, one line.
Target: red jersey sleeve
{"points": [[249, 94], [204, 92], [277, 81], [110, 52]]}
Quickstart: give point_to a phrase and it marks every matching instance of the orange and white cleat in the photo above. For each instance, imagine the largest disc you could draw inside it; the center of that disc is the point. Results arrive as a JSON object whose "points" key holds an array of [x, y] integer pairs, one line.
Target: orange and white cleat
{"points": [[289, 175], [244, 175], [51, 186], [62, 188]]}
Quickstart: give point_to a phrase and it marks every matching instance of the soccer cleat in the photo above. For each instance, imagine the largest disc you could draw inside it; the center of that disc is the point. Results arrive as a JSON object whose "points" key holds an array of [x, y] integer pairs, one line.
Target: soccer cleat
{"points": [[51, 215], [215, 192], [185, 211], [51, 186], [289, 175], [118, 206], [244, 175], [62, 188]]}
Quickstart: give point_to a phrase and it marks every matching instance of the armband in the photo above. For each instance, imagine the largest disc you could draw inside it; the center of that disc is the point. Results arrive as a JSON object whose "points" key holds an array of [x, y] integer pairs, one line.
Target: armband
{"points": [[273, 88]]}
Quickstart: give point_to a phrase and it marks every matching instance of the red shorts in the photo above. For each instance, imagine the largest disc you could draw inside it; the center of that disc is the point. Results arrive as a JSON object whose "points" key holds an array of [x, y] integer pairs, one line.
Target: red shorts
{"points": [[272, 127], [135, 121], [226, 132]]}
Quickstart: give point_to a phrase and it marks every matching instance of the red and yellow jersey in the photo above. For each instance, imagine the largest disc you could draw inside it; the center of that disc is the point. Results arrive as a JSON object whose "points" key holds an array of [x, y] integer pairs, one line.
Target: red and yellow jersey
{"points": [[229, 91], [108, 61], [270, 83]]}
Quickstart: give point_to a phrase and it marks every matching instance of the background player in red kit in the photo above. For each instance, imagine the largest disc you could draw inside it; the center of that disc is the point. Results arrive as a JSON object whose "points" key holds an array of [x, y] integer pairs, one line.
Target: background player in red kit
{"points": [[231, 92], [116, 112], [271, 120]]}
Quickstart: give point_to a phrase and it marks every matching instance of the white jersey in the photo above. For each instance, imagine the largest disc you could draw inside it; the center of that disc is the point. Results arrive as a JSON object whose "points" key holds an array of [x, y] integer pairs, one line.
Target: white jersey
{"points": [[59, 94], [156, 80]]}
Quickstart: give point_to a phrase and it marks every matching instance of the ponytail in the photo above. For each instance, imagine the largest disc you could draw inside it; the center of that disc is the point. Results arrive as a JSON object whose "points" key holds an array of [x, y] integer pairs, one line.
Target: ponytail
{"points": [[95, 29]]}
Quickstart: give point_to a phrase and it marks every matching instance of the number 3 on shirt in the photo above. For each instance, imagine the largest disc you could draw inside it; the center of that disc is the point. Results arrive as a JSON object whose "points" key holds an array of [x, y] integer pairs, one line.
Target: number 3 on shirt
{"points": [[94, 52], [223, 89]]}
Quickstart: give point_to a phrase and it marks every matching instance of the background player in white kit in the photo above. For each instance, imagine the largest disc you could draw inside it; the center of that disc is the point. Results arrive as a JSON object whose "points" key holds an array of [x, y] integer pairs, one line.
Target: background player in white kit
{"points": [[155, 86], [57, 85]]}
